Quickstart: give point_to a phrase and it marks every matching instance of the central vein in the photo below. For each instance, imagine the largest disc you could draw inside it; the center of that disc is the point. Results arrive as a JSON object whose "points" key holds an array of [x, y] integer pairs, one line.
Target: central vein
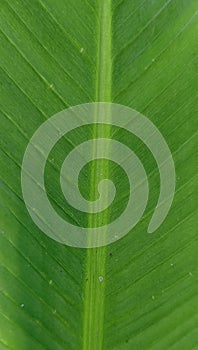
{"points": [[95, 264]]}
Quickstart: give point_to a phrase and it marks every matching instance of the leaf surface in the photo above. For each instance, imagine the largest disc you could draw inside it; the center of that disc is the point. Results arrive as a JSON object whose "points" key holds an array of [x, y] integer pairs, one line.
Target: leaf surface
{"points": [[57, 54]]}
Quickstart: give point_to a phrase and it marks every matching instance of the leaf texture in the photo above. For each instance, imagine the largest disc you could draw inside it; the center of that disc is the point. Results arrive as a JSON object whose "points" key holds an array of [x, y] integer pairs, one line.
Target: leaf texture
{"points": [[57, 54]]}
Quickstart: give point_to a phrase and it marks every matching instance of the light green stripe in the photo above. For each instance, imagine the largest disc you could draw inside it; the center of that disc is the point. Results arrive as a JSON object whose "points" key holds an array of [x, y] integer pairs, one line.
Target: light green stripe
{"points": [[94, 289], [104, 69]]}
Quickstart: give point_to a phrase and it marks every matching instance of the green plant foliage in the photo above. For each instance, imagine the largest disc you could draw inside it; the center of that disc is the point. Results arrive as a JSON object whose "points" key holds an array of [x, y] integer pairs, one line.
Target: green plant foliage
{"points": [[140, 292]]}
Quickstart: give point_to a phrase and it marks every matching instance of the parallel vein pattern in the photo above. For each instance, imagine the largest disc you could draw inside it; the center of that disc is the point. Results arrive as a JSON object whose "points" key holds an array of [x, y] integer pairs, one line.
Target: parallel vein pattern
{"points": [[56, 54]]}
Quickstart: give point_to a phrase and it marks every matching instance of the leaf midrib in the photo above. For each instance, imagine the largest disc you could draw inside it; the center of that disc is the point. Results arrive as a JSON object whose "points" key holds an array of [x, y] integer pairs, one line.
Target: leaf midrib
{"points": [[94, 293]]}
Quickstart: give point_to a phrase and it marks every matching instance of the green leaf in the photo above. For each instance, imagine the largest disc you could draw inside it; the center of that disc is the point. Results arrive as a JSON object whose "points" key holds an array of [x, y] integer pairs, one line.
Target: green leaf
{"points": [[141, 291]]}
